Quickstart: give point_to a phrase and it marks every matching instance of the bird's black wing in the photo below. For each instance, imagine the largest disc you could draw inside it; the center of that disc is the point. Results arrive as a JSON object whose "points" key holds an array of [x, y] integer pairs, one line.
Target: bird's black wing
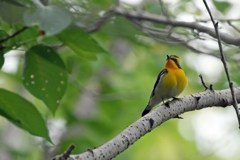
{"points": [[163, 72]]}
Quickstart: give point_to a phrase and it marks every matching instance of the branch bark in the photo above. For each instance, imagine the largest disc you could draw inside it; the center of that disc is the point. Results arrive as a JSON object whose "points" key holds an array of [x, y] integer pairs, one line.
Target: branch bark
{"points": [[142, 126]]}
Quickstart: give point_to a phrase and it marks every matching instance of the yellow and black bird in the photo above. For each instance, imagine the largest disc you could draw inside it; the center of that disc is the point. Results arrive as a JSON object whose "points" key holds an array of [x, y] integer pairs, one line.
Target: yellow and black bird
{"points": [[171, 81]]}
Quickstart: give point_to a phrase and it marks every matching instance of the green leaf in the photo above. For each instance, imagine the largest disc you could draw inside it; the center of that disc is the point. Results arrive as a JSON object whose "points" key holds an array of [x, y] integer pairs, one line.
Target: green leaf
{"points": [[222, 6], [22, 113], [45, 75], [11, 13], [3, 34], [51, 19], [28, 37], [3, 49], [15, 2], [1, 59], [81, 42], [120, 28]]}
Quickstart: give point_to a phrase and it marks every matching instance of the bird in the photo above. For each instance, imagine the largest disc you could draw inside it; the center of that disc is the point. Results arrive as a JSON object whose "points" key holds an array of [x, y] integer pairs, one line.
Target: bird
{"points": [[171, 81]]}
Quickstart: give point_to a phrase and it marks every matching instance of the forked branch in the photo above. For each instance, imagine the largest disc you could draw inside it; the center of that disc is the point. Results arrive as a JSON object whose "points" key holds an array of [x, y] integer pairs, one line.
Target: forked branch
{"points": [[215, 24]]}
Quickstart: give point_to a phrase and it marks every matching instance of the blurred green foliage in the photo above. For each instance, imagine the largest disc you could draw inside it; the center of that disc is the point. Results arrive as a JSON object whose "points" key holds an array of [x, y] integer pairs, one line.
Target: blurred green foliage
{"points": [[107, 78]]}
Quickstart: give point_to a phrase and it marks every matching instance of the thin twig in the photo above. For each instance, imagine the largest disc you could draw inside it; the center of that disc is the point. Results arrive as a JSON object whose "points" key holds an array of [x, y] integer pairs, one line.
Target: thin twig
{"points": [[164, 36], [234, 27], [106, 16], [13, 35], [215, 24], [67, 154], [219, 20], [203, 83], [164, 9]]}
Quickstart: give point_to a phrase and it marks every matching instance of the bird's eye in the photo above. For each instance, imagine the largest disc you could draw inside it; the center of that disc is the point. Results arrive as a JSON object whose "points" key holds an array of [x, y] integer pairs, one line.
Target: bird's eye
{"points": [[176, 62], [174, 59]]}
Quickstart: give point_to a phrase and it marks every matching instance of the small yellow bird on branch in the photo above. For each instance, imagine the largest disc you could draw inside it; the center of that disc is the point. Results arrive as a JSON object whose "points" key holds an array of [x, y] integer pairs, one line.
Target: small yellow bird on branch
{"points": [[171, 81]]}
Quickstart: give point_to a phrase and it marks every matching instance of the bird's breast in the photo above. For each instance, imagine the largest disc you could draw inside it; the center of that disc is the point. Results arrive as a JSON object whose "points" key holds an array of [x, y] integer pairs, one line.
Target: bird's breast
{"points": [[182, 80], [176, 81]]}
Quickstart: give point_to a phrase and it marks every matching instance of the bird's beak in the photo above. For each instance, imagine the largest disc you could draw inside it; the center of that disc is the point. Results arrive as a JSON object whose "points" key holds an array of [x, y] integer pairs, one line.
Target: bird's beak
{"points": [[168, 57]]}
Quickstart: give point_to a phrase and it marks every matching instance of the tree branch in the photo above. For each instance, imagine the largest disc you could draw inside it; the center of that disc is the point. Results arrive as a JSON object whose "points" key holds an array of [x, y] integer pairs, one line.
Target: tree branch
{"points": [[220, 20], [106, 16], [164, 9], [166, 36], [234, 27], [202, 81], [13, 35], [142, 126], [215, 24], [67, 154], [145, 16]]}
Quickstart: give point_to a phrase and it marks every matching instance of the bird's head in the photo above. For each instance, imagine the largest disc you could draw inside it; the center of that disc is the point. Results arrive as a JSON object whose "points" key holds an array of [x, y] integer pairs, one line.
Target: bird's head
{"points": [[173, 62]]}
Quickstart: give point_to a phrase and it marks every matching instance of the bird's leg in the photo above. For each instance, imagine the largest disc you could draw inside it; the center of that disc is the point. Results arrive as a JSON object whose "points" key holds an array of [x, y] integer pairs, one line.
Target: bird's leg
{"points": [[163, 101]]}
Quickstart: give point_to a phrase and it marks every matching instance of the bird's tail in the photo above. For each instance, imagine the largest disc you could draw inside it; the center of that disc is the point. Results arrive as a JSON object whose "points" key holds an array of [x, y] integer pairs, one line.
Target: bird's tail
{"points": [[146, 110]]}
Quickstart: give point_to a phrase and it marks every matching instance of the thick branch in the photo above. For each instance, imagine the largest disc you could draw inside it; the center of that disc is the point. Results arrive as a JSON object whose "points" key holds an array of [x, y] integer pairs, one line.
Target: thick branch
{"points": [[155, 118]]}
